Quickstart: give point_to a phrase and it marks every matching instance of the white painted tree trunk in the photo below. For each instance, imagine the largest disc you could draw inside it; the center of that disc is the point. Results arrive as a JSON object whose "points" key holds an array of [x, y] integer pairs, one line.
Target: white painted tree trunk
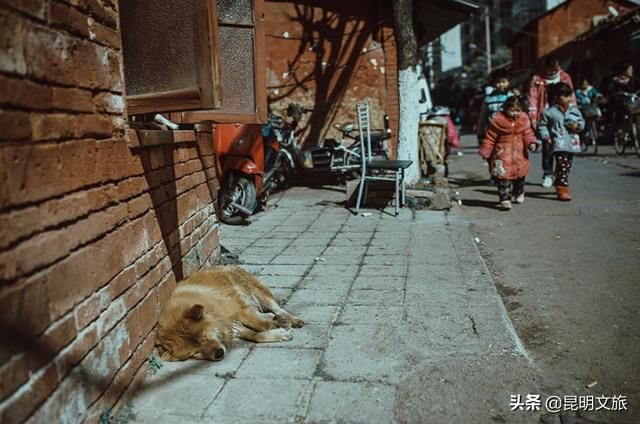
{"points": [[409, 96]]}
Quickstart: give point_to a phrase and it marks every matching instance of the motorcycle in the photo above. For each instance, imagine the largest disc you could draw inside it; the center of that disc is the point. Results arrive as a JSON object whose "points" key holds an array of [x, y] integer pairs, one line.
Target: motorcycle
{"points": [[249, 166]]}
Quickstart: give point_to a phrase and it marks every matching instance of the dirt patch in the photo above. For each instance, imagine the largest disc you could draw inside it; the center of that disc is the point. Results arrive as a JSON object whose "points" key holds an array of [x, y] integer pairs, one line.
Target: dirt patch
{"points": [[505, 291], [512, 306], [533, 335]]}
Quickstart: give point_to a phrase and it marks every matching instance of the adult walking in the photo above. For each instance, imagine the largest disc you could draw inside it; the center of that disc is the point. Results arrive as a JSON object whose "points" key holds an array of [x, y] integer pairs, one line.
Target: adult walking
{"points": [[552, 73]]}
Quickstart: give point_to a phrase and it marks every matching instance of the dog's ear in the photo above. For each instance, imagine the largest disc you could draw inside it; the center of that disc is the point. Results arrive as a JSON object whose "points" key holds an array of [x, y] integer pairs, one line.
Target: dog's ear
{"points": [[195, 312]]}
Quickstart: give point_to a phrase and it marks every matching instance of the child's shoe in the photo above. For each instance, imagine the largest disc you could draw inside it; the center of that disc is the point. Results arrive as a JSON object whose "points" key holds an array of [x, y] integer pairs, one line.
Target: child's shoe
{"points": [[519, 199], [505, 205], [564, 193]]}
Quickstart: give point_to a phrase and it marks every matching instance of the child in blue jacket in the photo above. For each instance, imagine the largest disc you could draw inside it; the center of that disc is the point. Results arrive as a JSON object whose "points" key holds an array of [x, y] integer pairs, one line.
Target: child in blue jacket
{"points": [[559, 126]]}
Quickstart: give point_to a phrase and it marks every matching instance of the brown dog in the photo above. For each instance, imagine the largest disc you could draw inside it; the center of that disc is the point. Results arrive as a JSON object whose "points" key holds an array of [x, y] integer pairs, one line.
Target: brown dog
{"points": [[211, 308]]}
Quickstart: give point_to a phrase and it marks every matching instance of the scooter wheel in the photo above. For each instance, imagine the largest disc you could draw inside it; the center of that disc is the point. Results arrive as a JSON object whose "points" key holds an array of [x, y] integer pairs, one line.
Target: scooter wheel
{"points": [[237, 190]]}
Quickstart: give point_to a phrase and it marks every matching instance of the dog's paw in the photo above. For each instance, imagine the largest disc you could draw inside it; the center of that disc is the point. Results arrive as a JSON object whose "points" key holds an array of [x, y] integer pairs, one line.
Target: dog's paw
{"points": [[286, 321], [297, 323], [280, 335], [236, 328]]}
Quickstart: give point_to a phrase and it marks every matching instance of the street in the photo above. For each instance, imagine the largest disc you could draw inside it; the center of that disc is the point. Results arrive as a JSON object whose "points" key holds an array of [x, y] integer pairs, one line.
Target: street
{"points": [[568, 273]]}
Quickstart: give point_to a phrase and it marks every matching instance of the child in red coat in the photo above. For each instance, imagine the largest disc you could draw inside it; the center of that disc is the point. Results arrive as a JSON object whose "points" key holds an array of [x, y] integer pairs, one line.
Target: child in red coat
{"points": [[505, 145]]}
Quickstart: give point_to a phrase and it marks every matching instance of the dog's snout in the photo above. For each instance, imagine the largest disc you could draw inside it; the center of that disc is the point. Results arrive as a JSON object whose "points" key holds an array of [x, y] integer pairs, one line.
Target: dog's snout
{"points": [[219, 354]]}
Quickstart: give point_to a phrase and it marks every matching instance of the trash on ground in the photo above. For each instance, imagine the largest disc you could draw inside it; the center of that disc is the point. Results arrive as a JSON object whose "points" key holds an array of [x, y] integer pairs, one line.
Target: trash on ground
{"points": [[460, 154], [476, 239], [319, 259], [227, 257], [590, 385], [366, 214]]}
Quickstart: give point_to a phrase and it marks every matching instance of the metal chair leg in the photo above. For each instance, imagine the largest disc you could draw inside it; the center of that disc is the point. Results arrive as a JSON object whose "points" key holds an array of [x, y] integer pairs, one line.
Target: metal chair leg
{"points": [[397, 199], [404, 191], [359, 199]]}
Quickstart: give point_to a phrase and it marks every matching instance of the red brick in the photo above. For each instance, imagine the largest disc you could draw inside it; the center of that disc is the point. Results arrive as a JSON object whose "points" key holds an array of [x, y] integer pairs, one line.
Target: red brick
{"points": [[132, 187], [51, 342], [115, 161], [87, 311], [46, 248], [146, 283], [73, 354], [150, 259], [125, 383], [122, 282], [109, 103], [97, 67], [53, 126], [44, 178], [13, 374], [74, 99], [15, 125], [24, 314], [12, 39], [151, 224], [102, 362], [104, 35], [69, 18], [49, 55], [165, 289], [41, 386], [35, 8], [97, 126], [24, 93], [68, 402], [102, 11], [77, 276], [139, 206]]}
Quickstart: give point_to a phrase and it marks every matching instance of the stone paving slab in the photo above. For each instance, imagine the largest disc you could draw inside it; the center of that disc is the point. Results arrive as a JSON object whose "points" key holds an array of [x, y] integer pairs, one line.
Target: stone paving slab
{"points": [[253, 400], [376, 297], [279, 361], [365, 403]]}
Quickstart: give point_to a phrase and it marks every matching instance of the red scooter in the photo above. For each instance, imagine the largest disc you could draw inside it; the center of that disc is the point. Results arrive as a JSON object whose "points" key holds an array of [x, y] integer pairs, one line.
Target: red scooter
{"points": [[249, 167]]}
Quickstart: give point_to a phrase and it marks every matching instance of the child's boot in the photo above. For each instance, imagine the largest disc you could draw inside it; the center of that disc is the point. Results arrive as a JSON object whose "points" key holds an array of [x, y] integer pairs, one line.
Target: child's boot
{"points": [[505, 205], [564, 193], [519, 198]]}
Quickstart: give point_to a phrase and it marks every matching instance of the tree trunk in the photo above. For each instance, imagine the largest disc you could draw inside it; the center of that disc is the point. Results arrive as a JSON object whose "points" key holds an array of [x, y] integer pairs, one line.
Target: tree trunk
{"points": [[408, 90]]}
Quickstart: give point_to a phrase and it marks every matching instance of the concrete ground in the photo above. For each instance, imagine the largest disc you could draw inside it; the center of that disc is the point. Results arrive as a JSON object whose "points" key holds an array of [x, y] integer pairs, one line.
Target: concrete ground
{"points": [[404, 324], [568, 272]]}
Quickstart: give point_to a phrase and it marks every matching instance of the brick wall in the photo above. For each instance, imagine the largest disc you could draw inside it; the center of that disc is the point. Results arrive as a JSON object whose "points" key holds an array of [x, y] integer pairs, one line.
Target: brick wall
{"points": [[94, 234], [328, 57], [559, 27]]}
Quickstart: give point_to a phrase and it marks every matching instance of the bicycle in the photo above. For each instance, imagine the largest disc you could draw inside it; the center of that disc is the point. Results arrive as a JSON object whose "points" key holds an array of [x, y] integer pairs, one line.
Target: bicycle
{"points": [[589, 140], [629, 131]]}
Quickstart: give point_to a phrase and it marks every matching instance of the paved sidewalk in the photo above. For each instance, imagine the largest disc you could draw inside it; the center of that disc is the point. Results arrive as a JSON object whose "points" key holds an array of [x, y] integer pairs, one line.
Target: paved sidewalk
{"points": [[403, 324]]}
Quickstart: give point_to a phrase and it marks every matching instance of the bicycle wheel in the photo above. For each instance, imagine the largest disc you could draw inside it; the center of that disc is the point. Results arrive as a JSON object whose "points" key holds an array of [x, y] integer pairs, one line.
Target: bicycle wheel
{"points": [[593, 136], [635, 133], [620, 140], [585, 139]]}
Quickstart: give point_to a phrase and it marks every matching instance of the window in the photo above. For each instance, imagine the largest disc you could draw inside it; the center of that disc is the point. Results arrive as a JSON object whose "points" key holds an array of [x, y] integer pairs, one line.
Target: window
{"points": [[201, 60]]}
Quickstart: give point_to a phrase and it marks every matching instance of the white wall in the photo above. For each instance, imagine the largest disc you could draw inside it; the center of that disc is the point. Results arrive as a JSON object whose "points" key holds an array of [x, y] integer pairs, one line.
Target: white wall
{"points": [[553, 3], [451, 49]]}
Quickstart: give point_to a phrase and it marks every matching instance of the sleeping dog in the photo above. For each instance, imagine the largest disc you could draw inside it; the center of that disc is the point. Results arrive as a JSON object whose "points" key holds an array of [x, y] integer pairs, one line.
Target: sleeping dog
{"points": [[212, 308]]}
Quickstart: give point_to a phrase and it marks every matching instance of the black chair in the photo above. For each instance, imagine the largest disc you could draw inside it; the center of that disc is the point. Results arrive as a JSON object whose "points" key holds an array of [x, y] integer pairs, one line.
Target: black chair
{"points": [[375, 169]]}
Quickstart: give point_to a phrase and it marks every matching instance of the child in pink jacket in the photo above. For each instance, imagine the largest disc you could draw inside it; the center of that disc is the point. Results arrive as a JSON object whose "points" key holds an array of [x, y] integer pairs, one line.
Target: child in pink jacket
{"points": [[505, 145]]}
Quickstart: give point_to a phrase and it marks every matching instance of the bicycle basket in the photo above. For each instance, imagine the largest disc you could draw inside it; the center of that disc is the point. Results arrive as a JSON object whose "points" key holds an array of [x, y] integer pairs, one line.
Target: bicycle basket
{"points": [[632, 104], [591, 111]]}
